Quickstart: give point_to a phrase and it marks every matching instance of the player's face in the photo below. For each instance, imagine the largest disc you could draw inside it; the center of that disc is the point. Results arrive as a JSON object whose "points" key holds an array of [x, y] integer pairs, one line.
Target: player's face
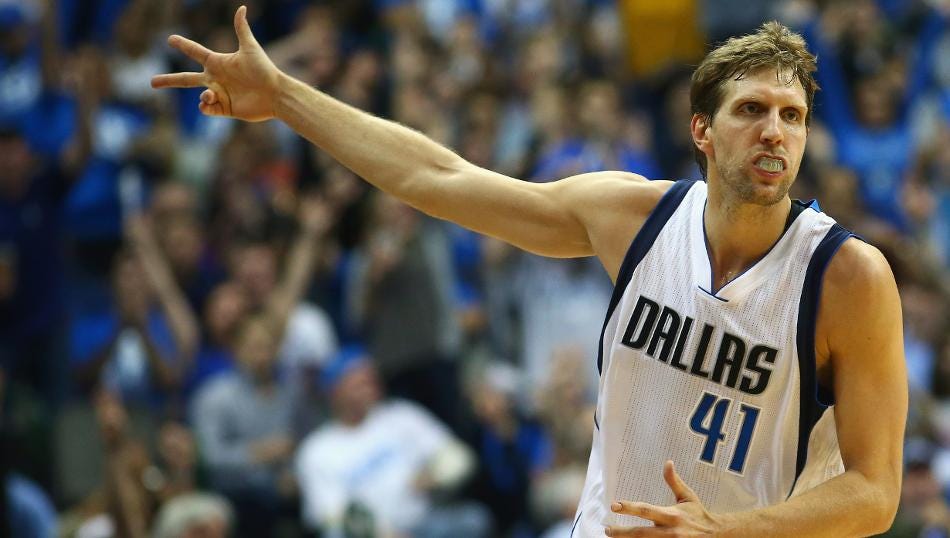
{"points": [[755, 142]]}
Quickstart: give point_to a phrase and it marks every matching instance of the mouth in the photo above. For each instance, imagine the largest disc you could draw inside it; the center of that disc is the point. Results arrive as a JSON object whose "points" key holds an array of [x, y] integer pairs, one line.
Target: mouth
{"points": [[770, 164]]}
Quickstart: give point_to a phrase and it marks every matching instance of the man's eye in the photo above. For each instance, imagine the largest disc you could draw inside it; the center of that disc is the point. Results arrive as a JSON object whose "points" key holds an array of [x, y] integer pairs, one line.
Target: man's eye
{"points": [[792, 115], [749, 108]]}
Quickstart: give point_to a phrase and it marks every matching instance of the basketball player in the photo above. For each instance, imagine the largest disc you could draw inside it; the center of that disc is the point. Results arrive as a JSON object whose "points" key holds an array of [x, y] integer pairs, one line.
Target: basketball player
{"points": [[750, 339]]}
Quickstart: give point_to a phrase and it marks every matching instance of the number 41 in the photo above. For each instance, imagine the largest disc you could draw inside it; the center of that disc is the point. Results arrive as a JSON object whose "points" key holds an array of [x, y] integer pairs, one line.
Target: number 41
{"points": [[710, 426]]}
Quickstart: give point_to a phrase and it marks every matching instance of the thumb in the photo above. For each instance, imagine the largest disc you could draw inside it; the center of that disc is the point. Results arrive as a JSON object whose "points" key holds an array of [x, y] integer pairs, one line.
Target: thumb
{"points": [[243, 29], [682, 492]]}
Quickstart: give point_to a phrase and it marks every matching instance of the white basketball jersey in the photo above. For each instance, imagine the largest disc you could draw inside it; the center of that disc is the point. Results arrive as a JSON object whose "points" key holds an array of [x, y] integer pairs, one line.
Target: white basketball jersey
{"points": [[721, 383]]}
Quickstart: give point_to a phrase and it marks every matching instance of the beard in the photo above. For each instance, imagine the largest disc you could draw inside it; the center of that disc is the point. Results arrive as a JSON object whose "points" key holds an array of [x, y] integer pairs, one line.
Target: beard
{"points": [[741, 188]]}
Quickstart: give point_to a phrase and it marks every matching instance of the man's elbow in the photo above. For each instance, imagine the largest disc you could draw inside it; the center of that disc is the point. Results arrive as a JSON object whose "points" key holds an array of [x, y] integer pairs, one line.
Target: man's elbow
{"points": [[884, 500]]}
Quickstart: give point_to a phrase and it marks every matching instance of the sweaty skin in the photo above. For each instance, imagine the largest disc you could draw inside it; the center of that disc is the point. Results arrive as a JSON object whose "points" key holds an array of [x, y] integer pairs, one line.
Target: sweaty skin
{"points": [[859, 341]]}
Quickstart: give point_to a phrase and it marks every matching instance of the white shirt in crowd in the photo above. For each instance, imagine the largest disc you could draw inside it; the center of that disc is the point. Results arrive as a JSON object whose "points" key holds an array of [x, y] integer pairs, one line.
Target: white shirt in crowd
{"points": [[310, 339], [375, 463]]}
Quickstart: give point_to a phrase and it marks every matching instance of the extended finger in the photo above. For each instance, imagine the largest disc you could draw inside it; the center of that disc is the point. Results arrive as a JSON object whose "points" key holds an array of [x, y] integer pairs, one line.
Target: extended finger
{"points": [[179, 80], [682, 491], [194, 50], [242, 28], [659, 515]]}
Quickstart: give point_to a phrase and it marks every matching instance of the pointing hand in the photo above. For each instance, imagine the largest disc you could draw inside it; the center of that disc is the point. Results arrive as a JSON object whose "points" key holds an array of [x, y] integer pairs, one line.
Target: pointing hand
{"points": [[240, 84]]}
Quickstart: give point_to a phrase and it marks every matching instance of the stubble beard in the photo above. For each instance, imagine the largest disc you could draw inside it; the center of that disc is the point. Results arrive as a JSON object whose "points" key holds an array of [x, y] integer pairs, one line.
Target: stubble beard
{"points": [[741, 189]]}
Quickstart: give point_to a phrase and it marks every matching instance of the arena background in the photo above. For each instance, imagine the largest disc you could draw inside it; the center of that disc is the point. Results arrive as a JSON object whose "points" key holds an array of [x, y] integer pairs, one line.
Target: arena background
{"points": [[146, 252]]}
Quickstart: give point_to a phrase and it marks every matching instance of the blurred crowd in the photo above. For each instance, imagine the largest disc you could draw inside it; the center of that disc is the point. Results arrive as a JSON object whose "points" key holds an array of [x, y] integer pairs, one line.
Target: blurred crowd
{"points": [[208, 328]]}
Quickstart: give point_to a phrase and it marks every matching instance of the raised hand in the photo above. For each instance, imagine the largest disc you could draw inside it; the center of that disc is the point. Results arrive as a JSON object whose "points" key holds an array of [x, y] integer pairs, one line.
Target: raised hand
{"points": [[687, 517], [241, 84], [316, 215]]}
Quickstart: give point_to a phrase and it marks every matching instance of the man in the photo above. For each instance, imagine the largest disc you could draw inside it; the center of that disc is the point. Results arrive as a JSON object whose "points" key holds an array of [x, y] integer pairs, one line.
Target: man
{"points": [[790, 320], [244, 425], [383, 458]]}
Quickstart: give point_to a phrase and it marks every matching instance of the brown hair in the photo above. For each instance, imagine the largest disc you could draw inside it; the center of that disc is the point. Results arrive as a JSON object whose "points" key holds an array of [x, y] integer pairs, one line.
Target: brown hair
{"points": [[773, 45]]}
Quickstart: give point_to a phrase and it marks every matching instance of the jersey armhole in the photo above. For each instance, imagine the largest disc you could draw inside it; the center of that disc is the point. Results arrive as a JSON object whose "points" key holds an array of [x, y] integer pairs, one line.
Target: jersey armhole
{"points": [[640, 246], [814, 398]]}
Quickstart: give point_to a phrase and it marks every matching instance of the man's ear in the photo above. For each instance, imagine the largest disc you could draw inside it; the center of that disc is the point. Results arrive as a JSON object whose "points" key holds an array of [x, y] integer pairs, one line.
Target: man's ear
{"points": [[699, 126]]}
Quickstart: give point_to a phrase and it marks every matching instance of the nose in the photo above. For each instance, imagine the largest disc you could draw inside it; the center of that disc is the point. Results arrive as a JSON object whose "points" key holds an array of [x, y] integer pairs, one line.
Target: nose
{"points": [[772, 130]]}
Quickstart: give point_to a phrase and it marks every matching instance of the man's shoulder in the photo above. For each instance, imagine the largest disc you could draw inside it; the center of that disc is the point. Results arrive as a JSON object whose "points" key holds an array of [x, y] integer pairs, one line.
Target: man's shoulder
{"points": [[320, 439], [613, 206], [398, 409], [858, 292], [856, 269], [307, 312], [410, 418]]}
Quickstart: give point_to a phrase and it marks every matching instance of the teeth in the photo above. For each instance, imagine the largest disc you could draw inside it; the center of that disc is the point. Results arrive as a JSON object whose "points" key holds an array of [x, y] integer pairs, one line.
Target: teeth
{"points": [[770, 165]]}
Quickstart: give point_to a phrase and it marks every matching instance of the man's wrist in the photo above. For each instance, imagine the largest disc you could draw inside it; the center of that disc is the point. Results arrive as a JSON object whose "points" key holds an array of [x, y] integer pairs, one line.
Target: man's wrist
{"points": [[731, 525], [283, 89]]}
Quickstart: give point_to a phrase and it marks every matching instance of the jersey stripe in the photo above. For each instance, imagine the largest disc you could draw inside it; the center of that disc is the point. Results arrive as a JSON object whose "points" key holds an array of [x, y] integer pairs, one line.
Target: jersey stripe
{"points": [[814, 399], [639, 247], [576, 521]]}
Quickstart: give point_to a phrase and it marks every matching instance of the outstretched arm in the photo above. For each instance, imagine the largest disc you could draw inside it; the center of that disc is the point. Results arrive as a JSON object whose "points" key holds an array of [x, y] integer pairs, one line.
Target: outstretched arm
{"points": [[860, 335], [553, 219]]}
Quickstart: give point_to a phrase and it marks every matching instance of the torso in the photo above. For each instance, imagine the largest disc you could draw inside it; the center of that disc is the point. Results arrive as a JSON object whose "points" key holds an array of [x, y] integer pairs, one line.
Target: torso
{"points": [[716, 382]]}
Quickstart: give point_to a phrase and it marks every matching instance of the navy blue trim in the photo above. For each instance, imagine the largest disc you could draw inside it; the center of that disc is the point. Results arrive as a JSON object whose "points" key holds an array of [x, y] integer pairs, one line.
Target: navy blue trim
{"points": [[638, 249], [576, 521], [796, 209], [596, 423], [813, 399], [713, 295]]}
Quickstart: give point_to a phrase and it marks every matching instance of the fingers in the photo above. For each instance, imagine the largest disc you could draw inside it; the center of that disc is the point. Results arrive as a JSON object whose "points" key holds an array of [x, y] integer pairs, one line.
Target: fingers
{"points": [[659, 515], [214, 101], [209, 97], [682, 492], [243, 29], [179, 80], [192, 49], [216, 109]]}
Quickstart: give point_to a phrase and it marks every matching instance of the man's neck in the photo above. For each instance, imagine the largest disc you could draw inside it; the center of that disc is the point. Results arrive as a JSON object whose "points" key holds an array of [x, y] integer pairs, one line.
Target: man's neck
{"points": [[739, 235], [352, 417]]}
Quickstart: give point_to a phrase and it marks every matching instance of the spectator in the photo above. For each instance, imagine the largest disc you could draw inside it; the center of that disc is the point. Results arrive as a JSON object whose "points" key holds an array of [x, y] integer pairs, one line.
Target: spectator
{"points": [[227, 305], [33, 96], [400, 297], [40, 156], [177, 461], [602, 145], [32, 254], [123, 505], [923, 511], [512, 449], [307, 335], [31, 514], [555, 498], [243, 420], [383, 460], [563, 294], [25, 510], [195, 515], [174, 210], [870, 118], [133, 347], [135, 54]]}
